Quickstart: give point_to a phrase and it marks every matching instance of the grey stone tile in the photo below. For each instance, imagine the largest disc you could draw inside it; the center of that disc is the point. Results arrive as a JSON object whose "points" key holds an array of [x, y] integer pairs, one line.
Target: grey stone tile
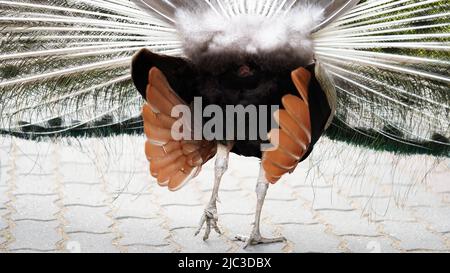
{"points": [[361, 244], [35, 236], [3, 197], [349, 223], [446, 198], [142, 232], [280, 192], [3, 223], [87, 220], [188, 243], [440, 182], [79, 173], [186, 196], [182, 217], [293, 212], [414, 236], [91, 243], [341, 199], [2, 238], [311, 238], [92, 195], [388, 211], [35, 207], [236, 203], [135, 206], [35, 184], [438, 218], [150, 249]]}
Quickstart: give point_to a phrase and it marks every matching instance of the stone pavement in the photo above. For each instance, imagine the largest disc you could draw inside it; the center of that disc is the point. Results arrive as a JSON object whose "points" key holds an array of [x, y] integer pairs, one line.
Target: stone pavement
{"points": [[96, 196]]}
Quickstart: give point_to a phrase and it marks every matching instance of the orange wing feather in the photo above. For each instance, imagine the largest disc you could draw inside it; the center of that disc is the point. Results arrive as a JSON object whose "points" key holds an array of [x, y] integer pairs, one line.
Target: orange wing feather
{"points": [[173, 163], [293, 138]]}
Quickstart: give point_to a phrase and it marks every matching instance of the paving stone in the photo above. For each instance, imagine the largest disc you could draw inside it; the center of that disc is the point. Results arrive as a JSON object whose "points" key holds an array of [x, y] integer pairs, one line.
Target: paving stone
{"points": [[280, 192], [349, 223], [87, 220], [185, 238], [205, 180], [35, 208], [379, 210], [311, 238], [236, 203], [150, 249], [270, 248], [35, 184], [304, 177], [129, 182], [184, 217], [142, 232], [3, 223], [437, 217], [230, 182], [27, 148], [135, 206], [91, 243], [446, 198], [414, 236], [416, 196], [395, 214], [441, 182], [76, 194], [361, 244], [186, 196], [4, 167], [37, 164], [78, 173], [327, 200], [341, 198], [2, 241], [35, 236], [294, 212], [3, 197], [236, 224], [324, 199]]}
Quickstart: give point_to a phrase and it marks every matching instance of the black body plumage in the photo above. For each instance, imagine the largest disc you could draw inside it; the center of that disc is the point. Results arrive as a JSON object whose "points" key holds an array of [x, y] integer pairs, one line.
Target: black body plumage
{"points": [[262, 85]]}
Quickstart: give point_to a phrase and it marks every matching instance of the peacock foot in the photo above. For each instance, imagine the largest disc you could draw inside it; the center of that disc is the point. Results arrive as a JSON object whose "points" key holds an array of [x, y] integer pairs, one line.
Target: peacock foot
{"points": [[256, 239], [210, 219]]}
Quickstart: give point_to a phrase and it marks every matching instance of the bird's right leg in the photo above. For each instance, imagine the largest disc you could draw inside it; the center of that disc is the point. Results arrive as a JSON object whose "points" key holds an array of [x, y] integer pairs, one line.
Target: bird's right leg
{"points": [[210, 216], [255, 237]]}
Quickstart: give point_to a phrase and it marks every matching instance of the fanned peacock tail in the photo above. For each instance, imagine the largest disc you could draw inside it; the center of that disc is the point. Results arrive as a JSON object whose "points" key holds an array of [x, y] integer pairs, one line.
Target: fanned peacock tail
{"points": [[390, 64], [64, 66]]}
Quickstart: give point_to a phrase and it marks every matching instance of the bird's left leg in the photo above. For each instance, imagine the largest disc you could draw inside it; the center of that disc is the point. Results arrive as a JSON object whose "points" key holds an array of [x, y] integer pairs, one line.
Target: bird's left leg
{"points": [[255, 237], [210, 216]]}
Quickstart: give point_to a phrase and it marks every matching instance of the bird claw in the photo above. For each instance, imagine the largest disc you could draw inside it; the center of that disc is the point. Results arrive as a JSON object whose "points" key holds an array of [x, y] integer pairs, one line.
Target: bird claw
{"points": [[210, 219], [256, 239]]}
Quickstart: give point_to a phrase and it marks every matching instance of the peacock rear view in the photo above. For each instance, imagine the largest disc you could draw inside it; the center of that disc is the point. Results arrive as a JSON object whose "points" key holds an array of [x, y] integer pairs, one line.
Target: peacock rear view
{"points": [[383, 66], [65, 67]]}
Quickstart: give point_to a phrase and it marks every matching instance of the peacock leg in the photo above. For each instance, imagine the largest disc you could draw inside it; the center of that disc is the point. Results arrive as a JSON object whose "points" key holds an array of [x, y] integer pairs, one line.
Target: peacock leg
{"points": [[255, 237], [210, 216]]}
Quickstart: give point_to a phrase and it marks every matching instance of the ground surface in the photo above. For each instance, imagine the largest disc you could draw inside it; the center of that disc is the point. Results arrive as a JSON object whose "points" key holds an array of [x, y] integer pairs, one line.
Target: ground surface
{"points": [[97, 196]]}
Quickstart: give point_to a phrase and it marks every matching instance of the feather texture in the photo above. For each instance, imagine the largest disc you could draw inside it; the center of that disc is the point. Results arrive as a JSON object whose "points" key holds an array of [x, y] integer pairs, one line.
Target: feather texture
{"points": [[64, 64], [389, 62]]}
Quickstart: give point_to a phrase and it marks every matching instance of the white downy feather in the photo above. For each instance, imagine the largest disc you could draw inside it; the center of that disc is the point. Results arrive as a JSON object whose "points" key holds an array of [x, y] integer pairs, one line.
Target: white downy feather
{"points": [[205, 32]]}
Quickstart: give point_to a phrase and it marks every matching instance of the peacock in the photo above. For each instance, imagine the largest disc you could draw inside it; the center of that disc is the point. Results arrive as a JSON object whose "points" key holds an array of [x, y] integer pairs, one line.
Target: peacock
{"points": [[378, 71]]}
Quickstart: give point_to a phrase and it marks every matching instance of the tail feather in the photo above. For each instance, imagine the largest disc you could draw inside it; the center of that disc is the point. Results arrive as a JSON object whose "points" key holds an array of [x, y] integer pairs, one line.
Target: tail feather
{"points": [[64, 65], [389, 61], [67, 63]]}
